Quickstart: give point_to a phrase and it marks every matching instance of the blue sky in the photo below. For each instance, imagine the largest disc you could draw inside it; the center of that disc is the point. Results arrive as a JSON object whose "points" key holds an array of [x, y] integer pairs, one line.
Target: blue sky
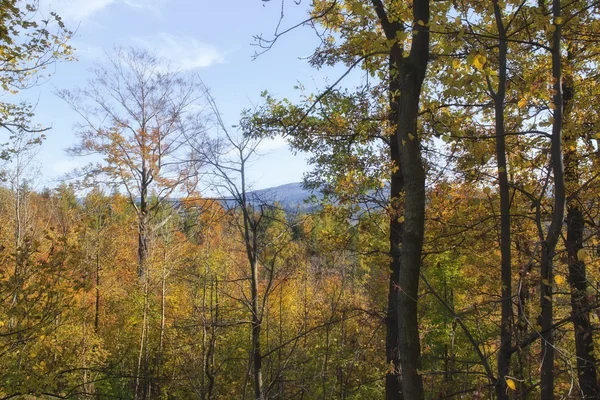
{"points": [[212, 38]]}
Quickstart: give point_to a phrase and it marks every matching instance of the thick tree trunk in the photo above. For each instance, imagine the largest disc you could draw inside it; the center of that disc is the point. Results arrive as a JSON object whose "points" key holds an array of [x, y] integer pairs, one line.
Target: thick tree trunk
{"points": [[506, 323], [586, 362], [393, 378], [406, 79], [583, 332], [411, 73]]}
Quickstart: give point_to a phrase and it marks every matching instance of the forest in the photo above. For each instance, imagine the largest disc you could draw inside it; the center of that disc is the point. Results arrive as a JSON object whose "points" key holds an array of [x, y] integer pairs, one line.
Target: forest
{"points": [[451, 249]]}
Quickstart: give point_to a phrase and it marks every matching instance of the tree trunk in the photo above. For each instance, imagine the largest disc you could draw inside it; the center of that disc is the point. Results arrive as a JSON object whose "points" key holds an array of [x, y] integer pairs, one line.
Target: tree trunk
{"points": [[142, 242], [547, 337], [506, 323], [256, 327], [549, 246], [393, 378], [97, 305], [586, 362], [411, 72], [142, 365]]}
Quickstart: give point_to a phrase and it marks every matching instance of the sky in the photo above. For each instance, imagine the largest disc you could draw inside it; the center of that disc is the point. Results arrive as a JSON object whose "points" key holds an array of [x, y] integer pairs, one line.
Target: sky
{"points": [[211, 38]]}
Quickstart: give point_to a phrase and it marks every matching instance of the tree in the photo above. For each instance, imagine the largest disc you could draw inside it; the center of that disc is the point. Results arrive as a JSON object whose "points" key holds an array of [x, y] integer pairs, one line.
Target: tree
{"points": [[228, 158], [390, 41], [138, 117], [29, 43]]}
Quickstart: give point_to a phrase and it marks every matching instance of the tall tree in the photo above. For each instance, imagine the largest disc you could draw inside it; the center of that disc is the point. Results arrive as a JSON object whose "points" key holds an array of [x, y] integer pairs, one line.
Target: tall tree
{"points": [[137, 118], [363, 43]]}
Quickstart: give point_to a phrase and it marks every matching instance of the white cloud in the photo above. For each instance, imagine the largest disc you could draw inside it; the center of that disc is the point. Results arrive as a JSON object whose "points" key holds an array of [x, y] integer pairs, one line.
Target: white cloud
{"points": [[75, 10], [154, 6], [78, 10], [183, 52]]}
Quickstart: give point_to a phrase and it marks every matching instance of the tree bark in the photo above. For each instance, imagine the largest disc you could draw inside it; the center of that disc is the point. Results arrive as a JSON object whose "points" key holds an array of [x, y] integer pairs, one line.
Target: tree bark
{"points": [[549, 245], [142, 240], [393, 378], [410, 74], [506, 322], [586, 362], [256, 327], [250, 239]]}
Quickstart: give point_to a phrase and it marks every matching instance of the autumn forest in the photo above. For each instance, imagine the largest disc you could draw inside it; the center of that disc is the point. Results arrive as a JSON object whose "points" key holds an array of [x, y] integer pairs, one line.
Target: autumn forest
{"points": [[450, 250]]}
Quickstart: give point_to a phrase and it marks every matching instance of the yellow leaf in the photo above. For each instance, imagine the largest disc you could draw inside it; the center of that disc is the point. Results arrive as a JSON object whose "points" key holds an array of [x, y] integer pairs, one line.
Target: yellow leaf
{"points": [[581, 254], [420, 22], [558, 21], [456, 63], [511, 384], [522, 103], [559, 279], [411, 136], [552, 28], [479, 61]]}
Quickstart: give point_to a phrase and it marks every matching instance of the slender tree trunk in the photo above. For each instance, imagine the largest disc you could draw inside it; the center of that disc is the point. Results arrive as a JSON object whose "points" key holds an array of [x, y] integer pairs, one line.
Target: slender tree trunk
{"points": [[142, 242], [506, 323], [204, 331], [250, 241], [549, 246], [143, 224], [141, 369], [547, 378], [161, 337], [97, 305], [210, 367], [256, 327]]}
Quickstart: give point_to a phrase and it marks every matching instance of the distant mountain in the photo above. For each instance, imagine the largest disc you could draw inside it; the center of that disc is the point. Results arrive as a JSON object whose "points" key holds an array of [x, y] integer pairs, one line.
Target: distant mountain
{"points": [[291, 196]]}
